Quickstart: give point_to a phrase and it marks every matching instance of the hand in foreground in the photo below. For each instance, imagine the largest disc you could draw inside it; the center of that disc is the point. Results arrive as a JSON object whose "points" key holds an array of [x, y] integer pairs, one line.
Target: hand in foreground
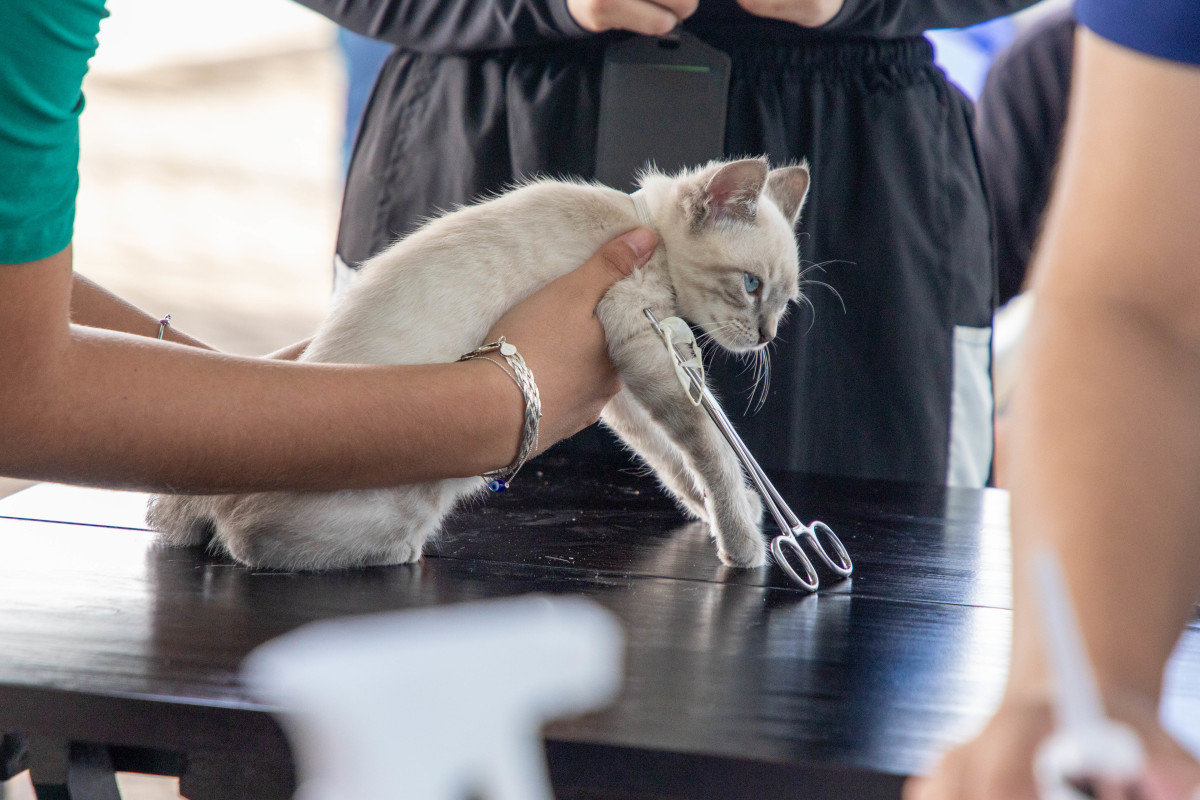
{"points": [[809, 13], [557, 333], [640, 16], [997, 765]]}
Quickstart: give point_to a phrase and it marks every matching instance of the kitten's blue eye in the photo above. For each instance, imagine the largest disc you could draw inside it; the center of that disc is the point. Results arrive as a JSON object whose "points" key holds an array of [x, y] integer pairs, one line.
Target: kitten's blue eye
{"points": [[752, 283]]}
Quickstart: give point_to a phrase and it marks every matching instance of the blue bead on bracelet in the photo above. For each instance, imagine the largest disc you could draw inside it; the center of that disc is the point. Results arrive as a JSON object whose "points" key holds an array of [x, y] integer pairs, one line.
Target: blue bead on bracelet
{"points": [[497, 486]]}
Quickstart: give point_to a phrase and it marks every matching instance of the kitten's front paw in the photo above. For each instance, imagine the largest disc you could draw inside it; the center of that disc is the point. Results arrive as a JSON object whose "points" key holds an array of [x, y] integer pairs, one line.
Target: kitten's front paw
{"points": [[739, 537], [270, 543]]}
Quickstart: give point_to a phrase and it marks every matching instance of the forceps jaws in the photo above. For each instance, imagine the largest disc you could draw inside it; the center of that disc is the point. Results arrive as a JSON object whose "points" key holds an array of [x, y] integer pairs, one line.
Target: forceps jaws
{"points": [[793, 530]]}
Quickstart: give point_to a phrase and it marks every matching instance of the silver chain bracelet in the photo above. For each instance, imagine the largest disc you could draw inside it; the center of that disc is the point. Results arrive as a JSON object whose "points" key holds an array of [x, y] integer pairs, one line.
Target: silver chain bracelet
{"points": [[518, 371]]}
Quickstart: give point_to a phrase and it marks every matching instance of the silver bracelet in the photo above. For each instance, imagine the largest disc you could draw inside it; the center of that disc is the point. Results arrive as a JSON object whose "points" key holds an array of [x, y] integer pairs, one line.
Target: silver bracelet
{"points": [[498, 479], [163, 324]]}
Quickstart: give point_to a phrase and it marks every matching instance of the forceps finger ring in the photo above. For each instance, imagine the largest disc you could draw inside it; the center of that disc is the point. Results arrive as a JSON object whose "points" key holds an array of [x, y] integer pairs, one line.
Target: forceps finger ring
{"points": [[839, 562], [692, 378]]}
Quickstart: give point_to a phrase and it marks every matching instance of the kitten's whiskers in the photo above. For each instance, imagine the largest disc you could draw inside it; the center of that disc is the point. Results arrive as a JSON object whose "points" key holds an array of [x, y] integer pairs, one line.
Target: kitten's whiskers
{"points": [[714, 328], [810, 282], [761, 363]]}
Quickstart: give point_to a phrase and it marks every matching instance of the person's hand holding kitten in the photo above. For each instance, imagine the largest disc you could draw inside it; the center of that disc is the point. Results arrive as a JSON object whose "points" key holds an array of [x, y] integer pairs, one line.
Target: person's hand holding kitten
{"points": [[557, 333]]}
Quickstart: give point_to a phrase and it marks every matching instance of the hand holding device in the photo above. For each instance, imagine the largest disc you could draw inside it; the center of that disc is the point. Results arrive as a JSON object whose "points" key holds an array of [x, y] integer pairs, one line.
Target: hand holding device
{"points": [[640, 16]]}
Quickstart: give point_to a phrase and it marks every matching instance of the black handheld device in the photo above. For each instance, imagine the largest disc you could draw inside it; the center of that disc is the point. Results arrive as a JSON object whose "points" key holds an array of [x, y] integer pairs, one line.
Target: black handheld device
{"points": [[662, 102]]}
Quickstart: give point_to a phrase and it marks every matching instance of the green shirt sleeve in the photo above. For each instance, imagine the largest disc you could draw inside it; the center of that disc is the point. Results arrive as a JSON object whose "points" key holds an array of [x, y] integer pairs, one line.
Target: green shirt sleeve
{"points": [[44, 54]]}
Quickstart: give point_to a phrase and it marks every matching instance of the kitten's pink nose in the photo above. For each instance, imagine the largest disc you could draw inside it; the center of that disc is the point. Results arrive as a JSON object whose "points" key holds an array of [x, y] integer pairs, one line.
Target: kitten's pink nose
{"points": [[764, 336]]}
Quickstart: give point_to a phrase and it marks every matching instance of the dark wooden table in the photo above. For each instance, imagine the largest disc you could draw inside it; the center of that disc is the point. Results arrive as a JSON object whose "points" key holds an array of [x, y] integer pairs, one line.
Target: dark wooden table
{"points": [[122, 654]]}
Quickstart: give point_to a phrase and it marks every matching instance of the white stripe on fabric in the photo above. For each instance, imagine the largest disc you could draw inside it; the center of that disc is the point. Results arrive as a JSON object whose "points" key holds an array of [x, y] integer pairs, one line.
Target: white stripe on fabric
{"points": [[1008, 346], [971, 408]]}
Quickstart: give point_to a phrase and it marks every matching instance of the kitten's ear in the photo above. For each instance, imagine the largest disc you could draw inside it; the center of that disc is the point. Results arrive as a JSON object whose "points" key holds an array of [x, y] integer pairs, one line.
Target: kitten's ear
{"points": [[788, 187], [731, 193]]}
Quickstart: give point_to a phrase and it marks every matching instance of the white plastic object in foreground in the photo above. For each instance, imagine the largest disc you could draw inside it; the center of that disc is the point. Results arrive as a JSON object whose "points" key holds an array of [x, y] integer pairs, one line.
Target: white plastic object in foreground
{"points": [[1086, 743], [437, 704]]}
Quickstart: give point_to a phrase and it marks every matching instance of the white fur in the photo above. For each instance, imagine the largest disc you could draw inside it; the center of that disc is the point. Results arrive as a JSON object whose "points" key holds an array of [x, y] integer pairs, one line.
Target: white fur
{"points": [[435, 294]]}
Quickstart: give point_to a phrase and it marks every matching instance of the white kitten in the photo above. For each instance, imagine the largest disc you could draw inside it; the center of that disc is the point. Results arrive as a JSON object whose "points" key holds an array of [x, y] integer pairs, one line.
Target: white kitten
{"points": [[726, 262]]}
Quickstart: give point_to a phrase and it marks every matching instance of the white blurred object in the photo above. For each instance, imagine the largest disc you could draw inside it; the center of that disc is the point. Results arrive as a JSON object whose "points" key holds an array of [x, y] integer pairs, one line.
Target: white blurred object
{"points": [[437, 704], [1086, 747], [1008, 346]]}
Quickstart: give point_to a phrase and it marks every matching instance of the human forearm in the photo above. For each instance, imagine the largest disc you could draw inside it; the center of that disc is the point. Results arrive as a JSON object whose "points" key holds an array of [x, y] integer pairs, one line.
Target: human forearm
{"points": [[96, 307], [93, 406], [1107, 428], [1103, 471], [119, 411], [1106, 420]]}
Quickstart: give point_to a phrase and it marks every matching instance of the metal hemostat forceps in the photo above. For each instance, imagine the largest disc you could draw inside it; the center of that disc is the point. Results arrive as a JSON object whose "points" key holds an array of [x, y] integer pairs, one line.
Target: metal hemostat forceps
{"points": [[689, 368]]}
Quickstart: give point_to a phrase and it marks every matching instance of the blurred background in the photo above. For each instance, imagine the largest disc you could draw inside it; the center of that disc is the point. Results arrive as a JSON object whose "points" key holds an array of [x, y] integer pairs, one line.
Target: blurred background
{"points": [[210, 173]]}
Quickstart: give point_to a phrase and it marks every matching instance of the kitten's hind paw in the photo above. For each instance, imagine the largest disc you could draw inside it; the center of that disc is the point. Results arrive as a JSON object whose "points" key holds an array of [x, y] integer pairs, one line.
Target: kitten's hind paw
{"points": [[180, 520], [268, 546]]}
